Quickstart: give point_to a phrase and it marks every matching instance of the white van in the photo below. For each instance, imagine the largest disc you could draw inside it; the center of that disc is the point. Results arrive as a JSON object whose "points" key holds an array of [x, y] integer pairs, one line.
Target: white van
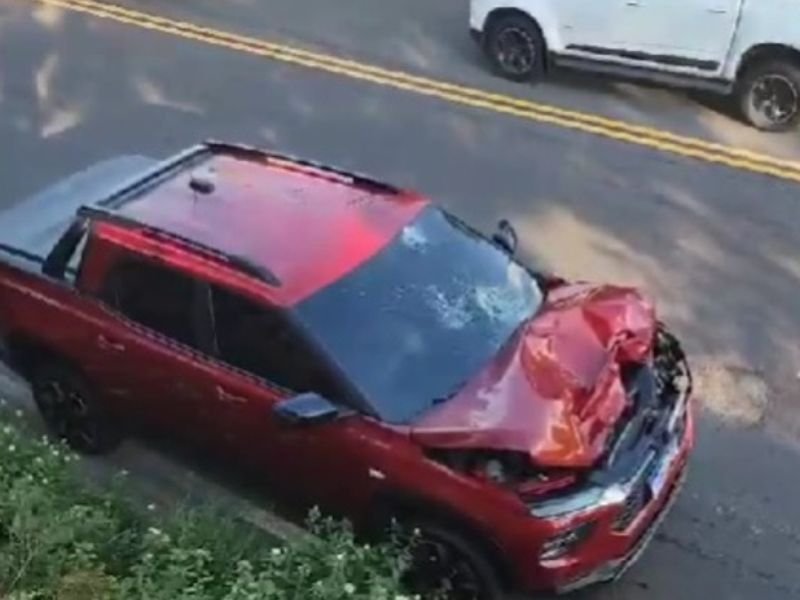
{"points": [[748, 48]]}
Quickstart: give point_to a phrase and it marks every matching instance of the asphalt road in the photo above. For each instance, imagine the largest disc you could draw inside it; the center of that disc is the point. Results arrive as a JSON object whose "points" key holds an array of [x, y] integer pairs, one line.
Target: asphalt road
{"points": [[431, 38], [717, 246]]}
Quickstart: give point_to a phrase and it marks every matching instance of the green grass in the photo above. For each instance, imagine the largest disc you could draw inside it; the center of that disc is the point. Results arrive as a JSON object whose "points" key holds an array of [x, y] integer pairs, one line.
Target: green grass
{"points": [[62, 540]]}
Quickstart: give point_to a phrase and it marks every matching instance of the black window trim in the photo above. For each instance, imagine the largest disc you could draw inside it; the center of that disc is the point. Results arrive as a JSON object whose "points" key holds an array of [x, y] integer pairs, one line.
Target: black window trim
{"points": [[56, 262]]}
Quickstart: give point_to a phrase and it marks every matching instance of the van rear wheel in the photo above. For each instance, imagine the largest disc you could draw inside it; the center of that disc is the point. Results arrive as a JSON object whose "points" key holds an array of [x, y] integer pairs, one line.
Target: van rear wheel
{"points": [[769, 95]]}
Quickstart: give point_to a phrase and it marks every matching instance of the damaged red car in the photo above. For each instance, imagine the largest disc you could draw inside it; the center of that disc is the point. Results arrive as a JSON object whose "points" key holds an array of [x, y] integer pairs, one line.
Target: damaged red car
{"points": [[361, 349]]}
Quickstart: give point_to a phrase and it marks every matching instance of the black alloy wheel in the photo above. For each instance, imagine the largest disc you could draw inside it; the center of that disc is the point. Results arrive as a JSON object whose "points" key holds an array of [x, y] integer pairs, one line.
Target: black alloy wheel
{"points": [[446, 566]]}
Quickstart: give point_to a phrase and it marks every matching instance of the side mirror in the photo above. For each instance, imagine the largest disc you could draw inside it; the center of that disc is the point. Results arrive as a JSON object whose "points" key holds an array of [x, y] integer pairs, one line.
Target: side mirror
{"points": [[506, 236], [306, 409]]}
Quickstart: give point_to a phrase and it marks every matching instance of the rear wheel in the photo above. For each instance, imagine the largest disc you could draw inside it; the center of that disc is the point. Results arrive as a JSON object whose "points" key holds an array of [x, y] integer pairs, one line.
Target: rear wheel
{"points": [[769, 95], [448, 565], [70, 412], [515, 47]]}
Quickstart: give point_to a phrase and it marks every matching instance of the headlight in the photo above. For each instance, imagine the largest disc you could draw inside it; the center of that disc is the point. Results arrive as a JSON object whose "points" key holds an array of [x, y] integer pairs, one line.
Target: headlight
{"points": [[589, 499]]}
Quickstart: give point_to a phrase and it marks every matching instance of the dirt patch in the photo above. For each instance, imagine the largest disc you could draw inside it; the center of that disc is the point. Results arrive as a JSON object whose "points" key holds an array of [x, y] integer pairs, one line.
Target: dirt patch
{"points": [[735, 393]]}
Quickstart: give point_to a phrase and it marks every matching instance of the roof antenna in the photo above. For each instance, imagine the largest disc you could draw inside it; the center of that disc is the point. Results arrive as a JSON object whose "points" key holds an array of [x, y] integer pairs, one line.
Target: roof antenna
{"points": [[202, 181]]}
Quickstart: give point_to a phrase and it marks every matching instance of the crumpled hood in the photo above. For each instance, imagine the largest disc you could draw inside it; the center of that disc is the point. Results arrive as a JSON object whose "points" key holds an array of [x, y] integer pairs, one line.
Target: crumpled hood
{"points": [[554, 391]]}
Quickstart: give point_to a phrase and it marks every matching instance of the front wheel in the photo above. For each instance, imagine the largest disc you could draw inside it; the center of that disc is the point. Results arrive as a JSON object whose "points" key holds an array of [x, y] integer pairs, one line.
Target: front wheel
{"points": [[70, 411], [515, 47], [769, 96], [447, 565]]}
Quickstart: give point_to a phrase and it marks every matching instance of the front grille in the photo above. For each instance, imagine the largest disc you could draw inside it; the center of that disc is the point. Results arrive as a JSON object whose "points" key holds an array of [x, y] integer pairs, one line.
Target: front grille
{"points": [[644, 408], [634, 504]]}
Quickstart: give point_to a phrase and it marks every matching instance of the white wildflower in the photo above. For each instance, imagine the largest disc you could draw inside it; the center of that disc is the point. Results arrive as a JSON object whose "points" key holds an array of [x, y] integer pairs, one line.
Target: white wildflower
{"points": [[349, 589]]}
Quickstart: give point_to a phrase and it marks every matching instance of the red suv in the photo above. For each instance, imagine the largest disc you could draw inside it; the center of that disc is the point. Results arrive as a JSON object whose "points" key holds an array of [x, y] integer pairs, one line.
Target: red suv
{"points": [[359, 347]]}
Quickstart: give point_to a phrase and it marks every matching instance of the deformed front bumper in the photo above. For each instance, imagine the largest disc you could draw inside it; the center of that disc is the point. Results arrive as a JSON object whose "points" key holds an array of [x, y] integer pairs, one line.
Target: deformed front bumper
{"points": [[637, 537], [622, 523], [614, 569]]}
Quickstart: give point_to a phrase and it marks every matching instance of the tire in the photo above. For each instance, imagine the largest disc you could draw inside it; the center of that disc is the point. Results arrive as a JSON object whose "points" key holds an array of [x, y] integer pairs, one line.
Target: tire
{"points": [[515, 47], [439, 550], [70, 411], [769, 95]]}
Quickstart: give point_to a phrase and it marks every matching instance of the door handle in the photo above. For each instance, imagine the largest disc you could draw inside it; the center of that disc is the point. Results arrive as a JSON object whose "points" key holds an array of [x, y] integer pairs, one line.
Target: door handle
{"points": [[633, 3], [225, 396], [105, 343], [717, 10]]}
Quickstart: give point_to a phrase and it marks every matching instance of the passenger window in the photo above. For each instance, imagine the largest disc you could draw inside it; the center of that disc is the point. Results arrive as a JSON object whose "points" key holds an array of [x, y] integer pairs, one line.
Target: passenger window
{"points": [[158, 298], [258, 340]]}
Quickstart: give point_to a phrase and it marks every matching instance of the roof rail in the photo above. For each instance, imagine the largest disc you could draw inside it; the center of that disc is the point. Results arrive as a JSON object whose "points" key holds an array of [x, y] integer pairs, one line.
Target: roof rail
{"points": [[358, 179], [139, 183], [239, 263]]}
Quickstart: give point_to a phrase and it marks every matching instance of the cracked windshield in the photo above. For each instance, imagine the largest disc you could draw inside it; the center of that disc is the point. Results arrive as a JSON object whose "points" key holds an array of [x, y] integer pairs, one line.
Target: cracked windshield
{"points": [[363, 300]]}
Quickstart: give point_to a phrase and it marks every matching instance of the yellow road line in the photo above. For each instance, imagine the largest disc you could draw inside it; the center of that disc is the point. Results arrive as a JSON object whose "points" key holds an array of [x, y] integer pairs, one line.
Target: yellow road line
{"points": [[458, 94]]}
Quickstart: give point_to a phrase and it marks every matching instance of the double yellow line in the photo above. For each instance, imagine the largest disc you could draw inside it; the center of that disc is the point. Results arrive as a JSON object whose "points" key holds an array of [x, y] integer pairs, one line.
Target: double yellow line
{"points": [[457, 94]]}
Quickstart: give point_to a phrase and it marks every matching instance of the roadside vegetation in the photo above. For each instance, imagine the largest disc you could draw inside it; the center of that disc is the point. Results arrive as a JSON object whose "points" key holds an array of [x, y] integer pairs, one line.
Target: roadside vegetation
{"points": [[62, 540]]}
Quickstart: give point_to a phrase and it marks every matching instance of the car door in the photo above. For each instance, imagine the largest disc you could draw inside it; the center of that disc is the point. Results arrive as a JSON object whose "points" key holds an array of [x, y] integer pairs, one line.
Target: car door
{"points": [[149, 341], [265, 361], [676, 33]]}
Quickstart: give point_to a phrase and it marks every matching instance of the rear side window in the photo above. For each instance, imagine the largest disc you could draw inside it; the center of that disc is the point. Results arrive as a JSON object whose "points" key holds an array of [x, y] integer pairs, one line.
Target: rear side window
{"points": [[256, 339], [156, 297]]}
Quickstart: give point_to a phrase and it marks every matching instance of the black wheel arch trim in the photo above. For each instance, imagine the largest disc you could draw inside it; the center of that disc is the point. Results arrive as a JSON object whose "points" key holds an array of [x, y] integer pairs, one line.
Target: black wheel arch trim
{"points": [[761, 53], [25, 354]]}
